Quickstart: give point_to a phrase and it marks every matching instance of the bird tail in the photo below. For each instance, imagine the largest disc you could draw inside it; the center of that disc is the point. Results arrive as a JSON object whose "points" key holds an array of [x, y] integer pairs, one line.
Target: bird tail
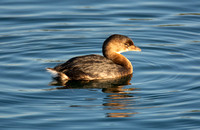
{"points": [[58, 75]]}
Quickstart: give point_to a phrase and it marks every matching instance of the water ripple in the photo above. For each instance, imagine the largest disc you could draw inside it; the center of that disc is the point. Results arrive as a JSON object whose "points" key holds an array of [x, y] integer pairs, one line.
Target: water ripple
{"points": [[163, 92]]}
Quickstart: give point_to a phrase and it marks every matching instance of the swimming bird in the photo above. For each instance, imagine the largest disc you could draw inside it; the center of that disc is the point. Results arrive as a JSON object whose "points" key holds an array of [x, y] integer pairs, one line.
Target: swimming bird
{"points": [[91, 67]]}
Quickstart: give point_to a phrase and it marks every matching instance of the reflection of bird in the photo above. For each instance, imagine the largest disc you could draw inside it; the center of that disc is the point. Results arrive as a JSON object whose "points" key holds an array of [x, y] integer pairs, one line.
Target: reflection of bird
{"points": [[105, 84], [90, 67]]}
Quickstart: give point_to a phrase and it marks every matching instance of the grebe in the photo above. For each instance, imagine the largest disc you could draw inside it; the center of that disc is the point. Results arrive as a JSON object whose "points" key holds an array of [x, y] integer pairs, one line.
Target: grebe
{"points": [[90, 67]]}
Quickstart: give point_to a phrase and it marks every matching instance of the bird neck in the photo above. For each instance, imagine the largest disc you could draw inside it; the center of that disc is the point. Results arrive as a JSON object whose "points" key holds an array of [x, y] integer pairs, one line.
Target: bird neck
{"points": [[119, 59]]}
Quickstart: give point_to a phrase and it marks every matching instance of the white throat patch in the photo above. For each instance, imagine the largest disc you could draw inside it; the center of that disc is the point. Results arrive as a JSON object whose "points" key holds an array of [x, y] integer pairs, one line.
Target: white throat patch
{"points": [[122, 51]]}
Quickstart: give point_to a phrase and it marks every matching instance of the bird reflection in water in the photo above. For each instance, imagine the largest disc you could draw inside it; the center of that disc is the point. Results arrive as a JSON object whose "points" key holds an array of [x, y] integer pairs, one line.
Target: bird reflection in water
{"points": [[119, 100]]}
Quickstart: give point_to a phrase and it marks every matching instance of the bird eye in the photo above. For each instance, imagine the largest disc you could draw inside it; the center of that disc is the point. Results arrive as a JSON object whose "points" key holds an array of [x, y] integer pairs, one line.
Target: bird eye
{"points": [[126, 44]]}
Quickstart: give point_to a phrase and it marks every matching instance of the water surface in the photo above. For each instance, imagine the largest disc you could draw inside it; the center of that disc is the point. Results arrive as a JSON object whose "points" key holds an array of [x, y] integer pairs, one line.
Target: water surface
{"points": [[163, 92]]}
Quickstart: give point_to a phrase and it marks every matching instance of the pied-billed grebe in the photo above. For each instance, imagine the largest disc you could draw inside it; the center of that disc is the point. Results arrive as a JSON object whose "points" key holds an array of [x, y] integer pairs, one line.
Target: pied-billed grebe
{"points": [[91, 67]]}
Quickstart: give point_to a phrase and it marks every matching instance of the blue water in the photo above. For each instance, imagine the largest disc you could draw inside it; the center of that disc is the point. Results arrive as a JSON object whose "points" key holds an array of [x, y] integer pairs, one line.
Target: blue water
{"points": [[163, 92]]}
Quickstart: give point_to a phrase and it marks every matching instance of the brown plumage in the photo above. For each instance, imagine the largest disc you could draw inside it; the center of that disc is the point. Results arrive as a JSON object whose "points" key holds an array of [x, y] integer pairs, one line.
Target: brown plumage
{"points": [[91, 67]]}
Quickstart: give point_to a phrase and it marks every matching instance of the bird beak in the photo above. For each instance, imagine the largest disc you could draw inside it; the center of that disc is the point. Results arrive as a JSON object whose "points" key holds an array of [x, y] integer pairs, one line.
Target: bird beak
{"points": [[134, 48]]}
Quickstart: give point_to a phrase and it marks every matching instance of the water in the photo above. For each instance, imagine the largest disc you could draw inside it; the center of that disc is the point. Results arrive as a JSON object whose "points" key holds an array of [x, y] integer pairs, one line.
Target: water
{"points": [[162, 94]]}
